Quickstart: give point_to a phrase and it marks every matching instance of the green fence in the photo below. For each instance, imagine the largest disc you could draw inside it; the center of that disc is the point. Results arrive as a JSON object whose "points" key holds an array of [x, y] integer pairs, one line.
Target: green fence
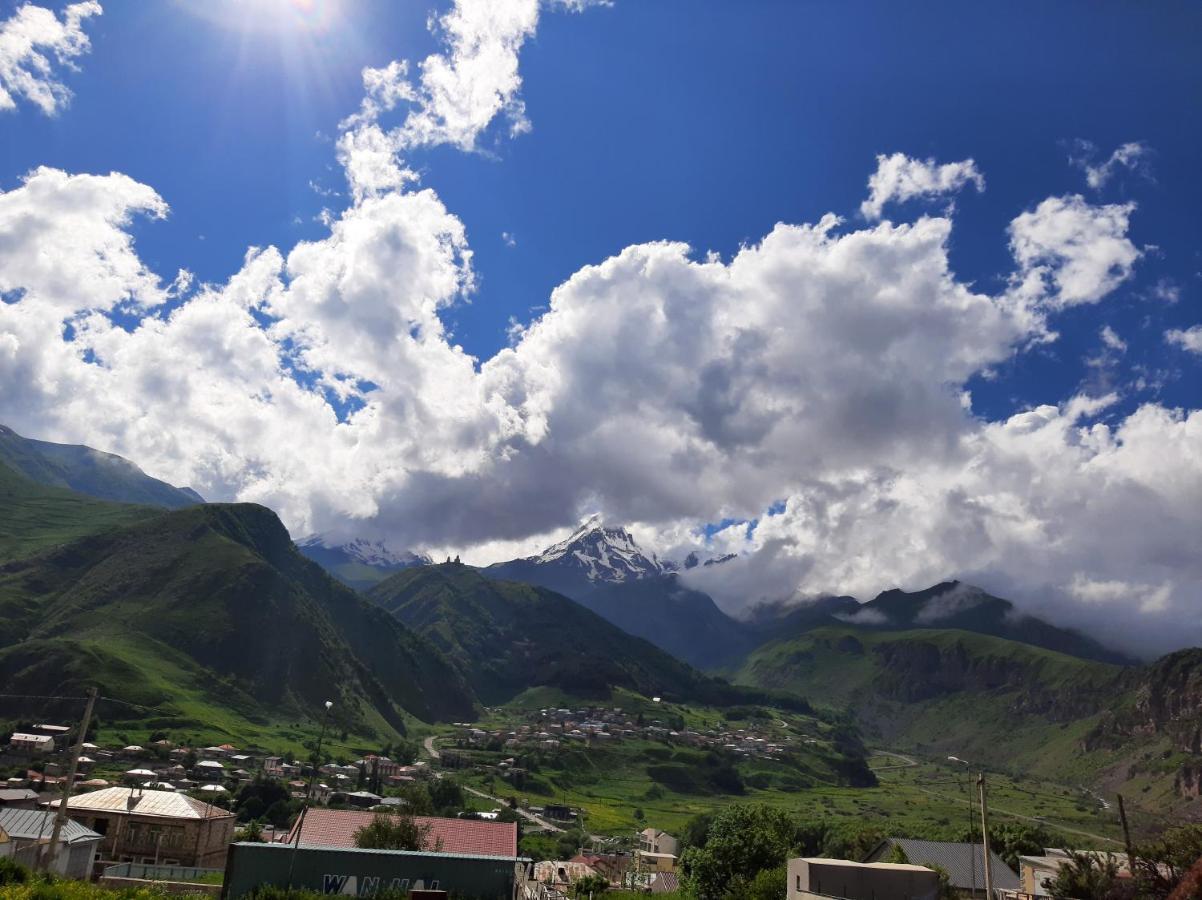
{"points": [[363, 873]]}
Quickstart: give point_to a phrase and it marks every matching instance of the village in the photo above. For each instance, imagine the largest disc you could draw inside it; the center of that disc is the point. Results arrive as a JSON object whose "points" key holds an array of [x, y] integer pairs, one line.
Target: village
{"points": [[176, 817], [552, 728]]}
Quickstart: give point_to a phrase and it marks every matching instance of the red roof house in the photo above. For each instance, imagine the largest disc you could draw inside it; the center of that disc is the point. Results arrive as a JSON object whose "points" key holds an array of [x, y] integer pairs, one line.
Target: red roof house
{"points": [[337, 827]]}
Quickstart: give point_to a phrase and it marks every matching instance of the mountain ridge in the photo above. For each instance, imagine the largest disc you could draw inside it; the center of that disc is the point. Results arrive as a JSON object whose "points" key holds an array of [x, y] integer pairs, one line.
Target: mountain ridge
{"points": [[88, 471], [209, 613]]}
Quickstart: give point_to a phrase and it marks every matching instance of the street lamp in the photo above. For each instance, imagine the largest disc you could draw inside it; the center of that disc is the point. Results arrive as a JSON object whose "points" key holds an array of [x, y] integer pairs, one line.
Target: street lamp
{"points": [[317, 753], [972, 853], [300, 822]]}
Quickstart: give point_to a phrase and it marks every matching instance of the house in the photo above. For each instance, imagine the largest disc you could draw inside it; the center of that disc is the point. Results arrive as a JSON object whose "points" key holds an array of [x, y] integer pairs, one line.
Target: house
{"points": [[609, 865], [18, 798], [60, 733], [657, 862], [964, 863], [1037, 872], [365, 799], [29, 831], [337, 827], [561, 875], [145, 826], [813, 877], [652, 840], [33, 744], [209, 770]]}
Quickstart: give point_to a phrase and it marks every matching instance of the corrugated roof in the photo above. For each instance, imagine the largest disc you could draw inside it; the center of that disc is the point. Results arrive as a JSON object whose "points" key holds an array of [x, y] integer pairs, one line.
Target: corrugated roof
{"points": [[145, 803], [30, 824], [957, 859], [337, 827], [15, 795]]}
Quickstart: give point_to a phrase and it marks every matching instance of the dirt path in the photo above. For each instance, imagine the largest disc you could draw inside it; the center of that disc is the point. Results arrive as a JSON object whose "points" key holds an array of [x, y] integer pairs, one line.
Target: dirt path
{"points": [[1014, 815], [428, 744]]}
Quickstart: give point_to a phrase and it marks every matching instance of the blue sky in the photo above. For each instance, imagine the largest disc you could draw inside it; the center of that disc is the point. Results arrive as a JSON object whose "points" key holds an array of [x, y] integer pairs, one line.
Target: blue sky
{"points": [[774, 384], [706, 122]]}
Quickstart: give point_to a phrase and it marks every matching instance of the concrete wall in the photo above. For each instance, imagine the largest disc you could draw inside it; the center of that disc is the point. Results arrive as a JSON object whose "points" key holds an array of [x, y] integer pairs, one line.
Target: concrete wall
{"points": [[329, 870], [859, 881]]}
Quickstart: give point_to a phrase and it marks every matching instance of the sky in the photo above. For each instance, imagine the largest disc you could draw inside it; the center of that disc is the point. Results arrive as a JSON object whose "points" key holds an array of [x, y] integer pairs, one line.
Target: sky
{"points": [[868, 294]]}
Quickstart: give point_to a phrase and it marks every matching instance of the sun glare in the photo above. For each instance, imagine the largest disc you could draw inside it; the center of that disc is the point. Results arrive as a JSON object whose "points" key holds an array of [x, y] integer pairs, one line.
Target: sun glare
{"points": [[311, 16]]}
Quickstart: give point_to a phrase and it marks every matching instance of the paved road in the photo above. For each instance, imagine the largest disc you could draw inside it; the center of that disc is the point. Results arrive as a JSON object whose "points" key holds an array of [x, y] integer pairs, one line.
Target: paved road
{"points": [[542, 823], [428, 743]]}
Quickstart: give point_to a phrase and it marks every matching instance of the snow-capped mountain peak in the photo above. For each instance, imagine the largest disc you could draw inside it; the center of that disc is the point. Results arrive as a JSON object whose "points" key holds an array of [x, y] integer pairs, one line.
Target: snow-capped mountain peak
{"points": [[602, 552], [370, 553]]}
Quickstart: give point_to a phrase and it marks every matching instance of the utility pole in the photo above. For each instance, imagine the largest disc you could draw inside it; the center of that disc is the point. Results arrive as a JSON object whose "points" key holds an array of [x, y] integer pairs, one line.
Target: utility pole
{"points": [[972, 823], [61, 816], [985, 836], [1127, 837]]}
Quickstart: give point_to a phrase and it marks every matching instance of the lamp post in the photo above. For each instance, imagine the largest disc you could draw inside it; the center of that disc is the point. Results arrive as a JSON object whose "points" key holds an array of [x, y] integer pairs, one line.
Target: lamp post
{"points": [[972, 856], [317, 753], [300, 821]]}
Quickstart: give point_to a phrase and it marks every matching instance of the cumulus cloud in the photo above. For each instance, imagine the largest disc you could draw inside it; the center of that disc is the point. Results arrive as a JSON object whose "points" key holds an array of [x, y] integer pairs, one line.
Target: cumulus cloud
{"points": [[33, 44], [899, 178], [1132, 156], [458, 93], [1072, 252], [813, 385], [1042, 507], [1187, 339]]}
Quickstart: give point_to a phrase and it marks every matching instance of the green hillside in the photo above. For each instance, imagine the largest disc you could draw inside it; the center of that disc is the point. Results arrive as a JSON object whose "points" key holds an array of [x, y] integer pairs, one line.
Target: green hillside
{"points": [[104, 476], [210, 617], [36, 517], [507, 637], [1001, 703]]}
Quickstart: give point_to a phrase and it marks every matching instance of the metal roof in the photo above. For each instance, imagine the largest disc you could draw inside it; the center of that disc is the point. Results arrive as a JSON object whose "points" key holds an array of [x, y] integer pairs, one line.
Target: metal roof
{"points": [[32, 824], [957, 859], [145, 803], [337, 827]]}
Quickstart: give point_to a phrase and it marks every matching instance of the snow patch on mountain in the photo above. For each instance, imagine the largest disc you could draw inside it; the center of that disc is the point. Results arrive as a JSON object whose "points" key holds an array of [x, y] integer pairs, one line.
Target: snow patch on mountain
{"points": [[604, 553], [370, 553]]}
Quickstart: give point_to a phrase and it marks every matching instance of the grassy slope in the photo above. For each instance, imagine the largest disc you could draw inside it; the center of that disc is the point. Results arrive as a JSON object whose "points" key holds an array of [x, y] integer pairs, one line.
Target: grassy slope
{"points": [[928, 797], [1011, 706], [90, 472], [210, 616], [507, 637], [35, 517]]}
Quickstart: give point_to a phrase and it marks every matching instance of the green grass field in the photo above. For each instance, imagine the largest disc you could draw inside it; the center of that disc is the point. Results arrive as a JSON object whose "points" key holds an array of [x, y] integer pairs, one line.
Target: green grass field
{"points": [[613, 785]]}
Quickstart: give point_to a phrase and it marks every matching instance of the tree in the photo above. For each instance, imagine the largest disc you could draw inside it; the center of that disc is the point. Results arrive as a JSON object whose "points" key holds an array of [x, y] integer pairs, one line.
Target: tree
{"points": [[1161, 865], [768, 884], [947, 890], [898, 856], [590, 886], [1087, 876], [743, 840], [394, 832]]}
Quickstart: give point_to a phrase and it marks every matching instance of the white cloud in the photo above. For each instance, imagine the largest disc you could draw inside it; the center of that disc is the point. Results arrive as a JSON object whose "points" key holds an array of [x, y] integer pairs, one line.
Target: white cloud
{"points": [[1111, 339], [823, 365], [900, 178], [33, 43], [1187, 339], [1132, 156], [1072, 252]]}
